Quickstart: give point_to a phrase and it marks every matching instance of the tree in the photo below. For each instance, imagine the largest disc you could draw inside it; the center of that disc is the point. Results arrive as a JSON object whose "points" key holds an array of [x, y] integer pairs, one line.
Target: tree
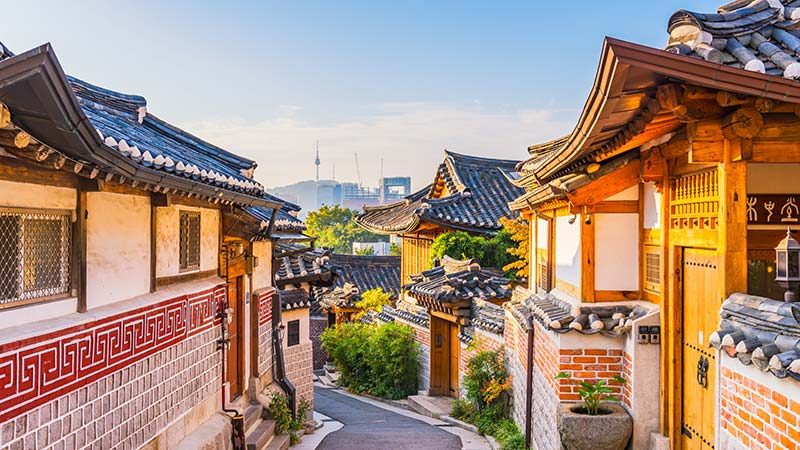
{"points": [[372, 300], [395, 250], [365, 251], [335, 229], [519, 232], [489, 252]]}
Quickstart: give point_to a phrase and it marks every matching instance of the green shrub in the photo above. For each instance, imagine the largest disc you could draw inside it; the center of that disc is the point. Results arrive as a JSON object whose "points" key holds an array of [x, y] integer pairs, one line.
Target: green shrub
{"points": [[280, 412], [490, 252], [509, 436], [462, 410], [381, 360]]}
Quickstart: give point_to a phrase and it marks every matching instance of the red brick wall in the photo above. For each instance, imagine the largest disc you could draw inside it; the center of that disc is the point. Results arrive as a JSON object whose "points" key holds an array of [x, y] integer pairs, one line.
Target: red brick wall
{"points": [[545, 355], [481, 343], [627, 374], [422, 336], [759, 417], [588, 365]]}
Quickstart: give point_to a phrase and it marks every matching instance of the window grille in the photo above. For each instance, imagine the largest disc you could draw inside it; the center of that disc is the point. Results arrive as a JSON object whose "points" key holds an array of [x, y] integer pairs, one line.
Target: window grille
{"points": [[293, 333], [190, 241], [652, 278], [35, 247]]}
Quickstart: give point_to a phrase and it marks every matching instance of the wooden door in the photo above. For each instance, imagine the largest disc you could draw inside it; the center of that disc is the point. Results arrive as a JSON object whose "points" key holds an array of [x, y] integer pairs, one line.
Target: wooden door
{"points": [[440, 357], [701, 303], [234, 364], [455, 355]]}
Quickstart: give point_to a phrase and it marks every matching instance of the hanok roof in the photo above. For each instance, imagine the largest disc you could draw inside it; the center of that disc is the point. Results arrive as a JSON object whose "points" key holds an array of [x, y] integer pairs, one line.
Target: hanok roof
{"points": [[294, 299], [357, 274], [747, 48], [302, 265], [452, 286], [556, 315], [102, 130], [487, 316], [761, 332], [468, 193]]}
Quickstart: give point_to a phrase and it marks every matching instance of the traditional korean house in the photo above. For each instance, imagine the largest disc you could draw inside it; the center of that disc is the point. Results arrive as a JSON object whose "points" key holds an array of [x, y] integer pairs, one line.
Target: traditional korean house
{"points": [[130, 315], [468, 193], [668, 197]]}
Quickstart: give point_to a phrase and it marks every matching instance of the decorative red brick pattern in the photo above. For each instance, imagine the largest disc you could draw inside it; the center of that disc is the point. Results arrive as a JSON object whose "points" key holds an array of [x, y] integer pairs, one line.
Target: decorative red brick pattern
{"points": [[37, 370], [588, 365], [757, 416], [264, 299]]}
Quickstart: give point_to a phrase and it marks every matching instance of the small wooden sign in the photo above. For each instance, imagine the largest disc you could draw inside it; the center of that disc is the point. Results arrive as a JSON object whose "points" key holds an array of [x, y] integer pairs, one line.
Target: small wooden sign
{"points": [[773, 209]]}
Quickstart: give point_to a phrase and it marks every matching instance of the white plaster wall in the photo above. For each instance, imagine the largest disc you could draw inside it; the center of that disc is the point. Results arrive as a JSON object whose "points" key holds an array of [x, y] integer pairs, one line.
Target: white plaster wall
{"points": [[262, 275], [542, 234], [616, 252], [28, 195], [773, 178], [118, 247], [632, 193], [296, 314], [652, 207], [568, 250], [168, 235], [24, 315], [645, 382]]}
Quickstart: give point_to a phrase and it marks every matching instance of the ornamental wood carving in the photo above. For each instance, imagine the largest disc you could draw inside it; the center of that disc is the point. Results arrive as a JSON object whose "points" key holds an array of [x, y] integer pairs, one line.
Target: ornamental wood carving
{"points": [[40, 369], [694, 201], [773, 209]]}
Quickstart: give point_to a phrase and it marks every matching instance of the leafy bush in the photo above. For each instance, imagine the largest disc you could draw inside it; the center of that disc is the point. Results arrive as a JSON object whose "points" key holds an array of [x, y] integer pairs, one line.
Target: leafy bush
{"points": [[490, 252], [372, 300], [395, 250], [280, 412], [365, 251], [381, 360], [519, 232], [593, 394]]}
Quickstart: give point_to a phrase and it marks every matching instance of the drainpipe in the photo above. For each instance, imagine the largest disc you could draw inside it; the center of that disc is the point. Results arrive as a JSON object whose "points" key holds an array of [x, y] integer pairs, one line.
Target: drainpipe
{"points": [[280, 363], [237, 419], [529, 384]]}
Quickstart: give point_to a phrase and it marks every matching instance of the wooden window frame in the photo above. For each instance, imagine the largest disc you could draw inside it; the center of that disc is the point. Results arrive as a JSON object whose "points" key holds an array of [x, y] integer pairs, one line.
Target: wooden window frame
{"points": [[548, 263], [653, 287], [183, 263]]}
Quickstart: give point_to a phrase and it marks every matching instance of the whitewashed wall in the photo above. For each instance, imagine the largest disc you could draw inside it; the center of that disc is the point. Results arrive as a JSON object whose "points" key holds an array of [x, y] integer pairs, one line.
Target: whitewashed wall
{"points": [[568, 250], [27, 195], [632, 193], [262, 275], [168, 234], [118, 247], [616, 252]]}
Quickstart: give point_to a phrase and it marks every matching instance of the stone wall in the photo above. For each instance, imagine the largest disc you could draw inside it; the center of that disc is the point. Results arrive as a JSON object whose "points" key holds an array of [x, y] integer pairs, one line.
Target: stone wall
{"points": [[119, 381], [316, 328], [298, 370], [545, 391], [757, 410], [423, 337]]}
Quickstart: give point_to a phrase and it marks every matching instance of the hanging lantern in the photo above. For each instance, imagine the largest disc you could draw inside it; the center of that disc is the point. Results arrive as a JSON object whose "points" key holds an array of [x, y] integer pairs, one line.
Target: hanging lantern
{"points": [[787, 267]]}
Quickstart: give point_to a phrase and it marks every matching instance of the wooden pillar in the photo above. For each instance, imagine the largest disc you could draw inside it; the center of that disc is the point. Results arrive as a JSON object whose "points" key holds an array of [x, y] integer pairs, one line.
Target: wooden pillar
{"points": [[533, 254], [667, 301], [153, 246], [732, 248], [79, 249], [587, 260]]}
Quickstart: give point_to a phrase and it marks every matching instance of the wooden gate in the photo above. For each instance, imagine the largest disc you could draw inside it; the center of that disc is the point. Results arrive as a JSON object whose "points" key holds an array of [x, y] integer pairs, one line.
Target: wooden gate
{"points": [[444, 357], [701, 303]]}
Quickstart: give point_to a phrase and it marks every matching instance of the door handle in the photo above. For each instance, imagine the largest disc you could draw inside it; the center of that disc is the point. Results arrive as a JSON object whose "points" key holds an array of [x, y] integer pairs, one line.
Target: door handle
{"points": [[702, 372]]}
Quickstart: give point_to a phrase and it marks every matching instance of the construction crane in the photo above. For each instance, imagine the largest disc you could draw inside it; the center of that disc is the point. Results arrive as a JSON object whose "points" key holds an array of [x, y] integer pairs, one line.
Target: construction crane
{"points": [[358, 172]]}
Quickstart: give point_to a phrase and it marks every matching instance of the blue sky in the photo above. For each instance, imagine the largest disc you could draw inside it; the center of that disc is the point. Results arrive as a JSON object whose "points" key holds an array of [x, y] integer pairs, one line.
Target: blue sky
{"points": [[397, 80]]}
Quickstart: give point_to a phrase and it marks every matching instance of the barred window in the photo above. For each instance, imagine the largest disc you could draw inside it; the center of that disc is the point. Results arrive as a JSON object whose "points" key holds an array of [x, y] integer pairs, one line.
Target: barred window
{"points": [[35, 250], [293, 333], [652, 275], [190, 240]]}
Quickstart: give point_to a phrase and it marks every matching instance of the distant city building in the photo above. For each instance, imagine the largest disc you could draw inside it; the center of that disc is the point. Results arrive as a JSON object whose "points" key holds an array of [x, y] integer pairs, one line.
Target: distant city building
{"points": [[312, 195]]}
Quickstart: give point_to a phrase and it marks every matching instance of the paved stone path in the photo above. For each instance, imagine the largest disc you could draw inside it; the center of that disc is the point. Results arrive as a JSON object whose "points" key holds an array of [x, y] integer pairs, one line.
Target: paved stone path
{"points": [[368, 427]]}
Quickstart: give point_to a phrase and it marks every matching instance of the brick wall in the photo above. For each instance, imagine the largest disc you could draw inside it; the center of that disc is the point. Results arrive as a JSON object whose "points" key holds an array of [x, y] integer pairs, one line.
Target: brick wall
{"points": [[627, 374], [298, 370], [758, 411], [316, 327], [517, 366], [589, 365], [545, 390], [118, 381], [483, 341]]}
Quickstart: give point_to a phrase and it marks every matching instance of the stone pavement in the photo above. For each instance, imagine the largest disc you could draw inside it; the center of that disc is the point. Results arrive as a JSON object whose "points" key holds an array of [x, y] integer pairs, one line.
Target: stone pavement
{"points": [[371, 425]]}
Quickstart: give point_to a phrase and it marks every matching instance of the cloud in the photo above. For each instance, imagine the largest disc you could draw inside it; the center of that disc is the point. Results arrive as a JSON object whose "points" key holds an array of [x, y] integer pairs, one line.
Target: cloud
{"points": [[410, 137]]}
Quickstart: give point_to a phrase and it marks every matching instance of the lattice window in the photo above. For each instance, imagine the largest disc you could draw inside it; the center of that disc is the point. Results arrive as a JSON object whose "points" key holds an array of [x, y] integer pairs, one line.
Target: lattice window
{"points": [[35, 247], [190, 240], [293, 333], [543, 270], [694, 201], [652, 270]]}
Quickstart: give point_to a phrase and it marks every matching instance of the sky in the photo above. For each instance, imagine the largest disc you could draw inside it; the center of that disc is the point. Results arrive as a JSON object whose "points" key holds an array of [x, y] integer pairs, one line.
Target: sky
{"points": [[397, 81]]}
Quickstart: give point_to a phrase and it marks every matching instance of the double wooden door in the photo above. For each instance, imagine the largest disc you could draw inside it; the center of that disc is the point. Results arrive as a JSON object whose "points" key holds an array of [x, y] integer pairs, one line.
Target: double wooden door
{"points": [[701, 303], [445, 355]]}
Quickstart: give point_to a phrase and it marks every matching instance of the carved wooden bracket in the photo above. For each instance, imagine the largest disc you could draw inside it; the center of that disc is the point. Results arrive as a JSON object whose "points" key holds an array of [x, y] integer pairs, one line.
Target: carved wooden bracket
{"points": [[743, 123]]}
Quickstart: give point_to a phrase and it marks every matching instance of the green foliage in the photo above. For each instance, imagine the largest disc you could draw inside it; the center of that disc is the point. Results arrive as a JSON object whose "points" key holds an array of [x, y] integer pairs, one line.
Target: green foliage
{"points": [[490, 252], [486, 403], [372, 300], [365, 251], [395, 250], [593, 394], [334, 228], [518, 231], [280, 412], [380, 360]]}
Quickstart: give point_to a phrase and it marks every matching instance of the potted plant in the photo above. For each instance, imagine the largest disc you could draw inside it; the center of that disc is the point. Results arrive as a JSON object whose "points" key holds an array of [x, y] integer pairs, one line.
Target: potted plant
{"points": [[599, 423]]}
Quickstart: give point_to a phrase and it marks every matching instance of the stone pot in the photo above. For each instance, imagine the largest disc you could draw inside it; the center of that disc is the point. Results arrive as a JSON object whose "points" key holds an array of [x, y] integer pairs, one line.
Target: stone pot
{"points": [[610, 431]]}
